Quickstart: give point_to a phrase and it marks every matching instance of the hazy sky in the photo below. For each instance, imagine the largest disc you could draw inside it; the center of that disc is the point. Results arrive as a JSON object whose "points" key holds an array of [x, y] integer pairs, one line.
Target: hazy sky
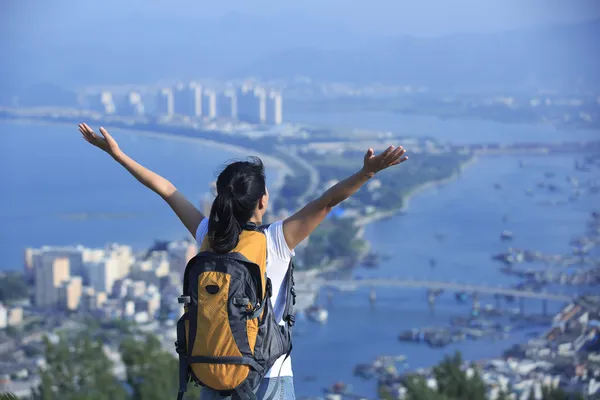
{"points": [[122, 40], [369, 17]]}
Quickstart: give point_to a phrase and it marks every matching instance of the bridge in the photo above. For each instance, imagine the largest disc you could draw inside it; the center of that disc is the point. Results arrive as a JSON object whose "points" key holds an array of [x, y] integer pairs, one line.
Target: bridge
{"points": [[457, 287]]}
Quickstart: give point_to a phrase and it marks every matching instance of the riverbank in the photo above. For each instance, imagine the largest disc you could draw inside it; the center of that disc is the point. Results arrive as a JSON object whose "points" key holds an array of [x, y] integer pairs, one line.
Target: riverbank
{"points": [[379, 215]]}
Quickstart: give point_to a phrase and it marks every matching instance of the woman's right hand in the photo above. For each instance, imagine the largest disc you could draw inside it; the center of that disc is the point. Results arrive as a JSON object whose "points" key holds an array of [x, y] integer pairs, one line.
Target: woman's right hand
{"points": [[391, 156], [106, 142]]}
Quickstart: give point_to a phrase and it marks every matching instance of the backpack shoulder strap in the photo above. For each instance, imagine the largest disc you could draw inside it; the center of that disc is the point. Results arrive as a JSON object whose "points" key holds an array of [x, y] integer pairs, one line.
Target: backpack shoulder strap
{"points": [[288, 313], [263, 228]]}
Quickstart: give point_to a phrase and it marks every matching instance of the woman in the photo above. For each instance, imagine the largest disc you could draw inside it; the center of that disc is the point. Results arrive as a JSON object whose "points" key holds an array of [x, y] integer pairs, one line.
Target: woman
{"points": [[242, 197]]}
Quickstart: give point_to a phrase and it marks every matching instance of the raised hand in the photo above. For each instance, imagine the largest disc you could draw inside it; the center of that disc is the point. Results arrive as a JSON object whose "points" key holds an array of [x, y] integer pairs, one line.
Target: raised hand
{"points": [[391, 156], [106, 142]]}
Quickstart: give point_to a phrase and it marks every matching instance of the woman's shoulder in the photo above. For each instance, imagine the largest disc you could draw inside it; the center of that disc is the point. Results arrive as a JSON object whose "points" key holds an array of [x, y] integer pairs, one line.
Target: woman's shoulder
{"points": [[276, 244]]}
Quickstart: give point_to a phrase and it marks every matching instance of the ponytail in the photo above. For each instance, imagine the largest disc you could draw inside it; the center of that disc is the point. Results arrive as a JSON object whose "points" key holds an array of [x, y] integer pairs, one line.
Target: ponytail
{"points": [[224, 228], [239, 188]]}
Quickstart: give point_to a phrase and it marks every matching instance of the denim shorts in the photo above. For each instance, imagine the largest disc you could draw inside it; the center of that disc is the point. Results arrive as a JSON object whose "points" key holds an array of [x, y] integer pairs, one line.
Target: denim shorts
{"points": [[285, 391]]}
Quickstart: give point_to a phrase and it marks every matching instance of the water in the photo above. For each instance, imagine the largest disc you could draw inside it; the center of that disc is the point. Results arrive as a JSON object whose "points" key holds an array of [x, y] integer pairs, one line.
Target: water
{"points": [[48, 171], [458, 131], [468, 214]]}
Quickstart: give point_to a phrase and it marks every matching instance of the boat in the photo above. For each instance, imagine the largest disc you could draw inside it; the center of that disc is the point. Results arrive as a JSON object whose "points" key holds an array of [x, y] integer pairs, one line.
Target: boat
{"points": [[461, 296], [506, 235], [339, 388], [317, 314], [371, 260], [365, 371]]}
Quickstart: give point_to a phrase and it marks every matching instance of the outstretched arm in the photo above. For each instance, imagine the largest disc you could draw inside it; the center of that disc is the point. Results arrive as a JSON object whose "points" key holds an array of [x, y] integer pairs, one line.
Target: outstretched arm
{"points": [[189, 215], [300, 225]]}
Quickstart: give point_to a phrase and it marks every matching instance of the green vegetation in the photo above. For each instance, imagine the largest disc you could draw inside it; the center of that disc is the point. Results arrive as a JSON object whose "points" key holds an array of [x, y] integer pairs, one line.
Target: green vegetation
{"points": [[452, 383], [13, 287], [396, 184], [8, 396], [334, 239], [79, 369], [152, 373]]}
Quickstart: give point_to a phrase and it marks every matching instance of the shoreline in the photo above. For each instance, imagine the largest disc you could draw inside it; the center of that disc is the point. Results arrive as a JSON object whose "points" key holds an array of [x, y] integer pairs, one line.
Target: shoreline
{"points": [[283, 169], [379, 215]]}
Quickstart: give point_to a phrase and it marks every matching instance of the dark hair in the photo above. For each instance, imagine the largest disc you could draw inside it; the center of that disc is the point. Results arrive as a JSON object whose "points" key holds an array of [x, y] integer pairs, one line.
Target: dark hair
{"points": [[239, 188]]}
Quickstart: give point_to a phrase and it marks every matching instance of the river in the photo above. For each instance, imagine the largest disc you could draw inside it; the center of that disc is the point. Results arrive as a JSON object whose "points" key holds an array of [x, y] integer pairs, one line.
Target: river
{"points": [[50, 176], [457, 131], [459, 225]]}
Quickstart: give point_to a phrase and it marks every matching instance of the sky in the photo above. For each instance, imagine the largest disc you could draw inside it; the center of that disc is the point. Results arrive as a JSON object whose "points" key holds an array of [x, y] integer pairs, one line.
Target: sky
{"points": [[367, 17], [78, 41]]}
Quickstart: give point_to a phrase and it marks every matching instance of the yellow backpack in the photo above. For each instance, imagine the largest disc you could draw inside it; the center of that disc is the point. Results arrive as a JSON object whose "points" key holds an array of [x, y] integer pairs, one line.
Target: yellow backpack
{"points": [[228, 338]]}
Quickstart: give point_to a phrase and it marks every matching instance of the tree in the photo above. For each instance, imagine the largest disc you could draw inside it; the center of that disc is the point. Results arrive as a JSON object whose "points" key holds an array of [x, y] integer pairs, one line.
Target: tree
{"points": [[551, 393], [78, 369], [417, 389], [152, 373], [13, 287], [453, 381]]}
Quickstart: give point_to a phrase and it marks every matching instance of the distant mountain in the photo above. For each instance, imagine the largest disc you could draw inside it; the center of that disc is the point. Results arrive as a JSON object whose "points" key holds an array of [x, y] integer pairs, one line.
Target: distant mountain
{"points": [[553, 57], [121, 48]]}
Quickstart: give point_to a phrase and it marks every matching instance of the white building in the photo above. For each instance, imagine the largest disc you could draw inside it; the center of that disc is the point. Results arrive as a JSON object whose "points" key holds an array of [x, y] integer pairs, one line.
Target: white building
{"points": [[132, 106], [248, 105], [188, 100], [103, 103], [70, 293], [179, 253], [102, 274], [3, 316], [50, 273], [274, 108], [209, 104], [165, 103], [261, 96], [123, 254]]}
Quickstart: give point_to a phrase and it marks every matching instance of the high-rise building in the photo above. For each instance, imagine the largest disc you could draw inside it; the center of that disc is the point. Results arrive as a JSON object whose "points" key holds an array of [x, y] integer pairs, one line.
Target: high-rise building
{"points": [[50, 273], [209, 104], [165, 103], [102, 274], [274, 108], [124, 256], [132, 105], [28, 264], [248, 109], [188, 99], [261, 96], [180, 253], [227, 104], [77, 255], [70, 293], [107, 102]]}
